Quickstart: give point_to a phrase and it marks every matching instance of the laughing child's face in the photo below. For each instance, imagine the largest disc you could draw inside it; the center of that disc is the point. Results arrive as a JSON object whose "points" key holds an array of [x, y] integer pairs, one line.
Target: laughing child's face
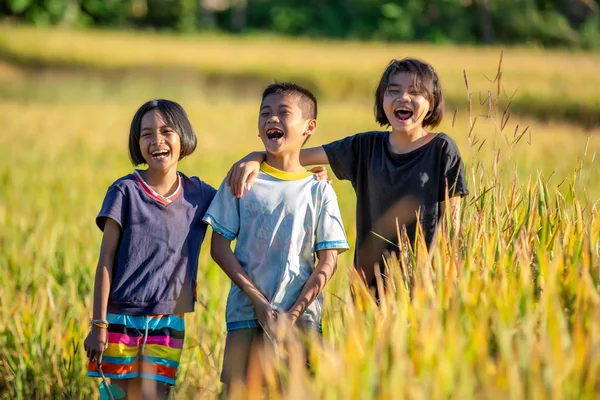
{"points": [[404, 105], [159, 143], [281, 125]]}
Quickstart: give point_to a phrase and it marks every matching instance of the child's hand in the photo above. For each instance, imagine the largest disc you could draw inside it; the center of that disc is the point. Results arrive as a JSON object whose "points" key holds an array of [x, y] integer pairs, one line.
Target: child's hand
{"points": [[95, 343], [242, 175], [267, 316], [321, 173], [287, 317]]}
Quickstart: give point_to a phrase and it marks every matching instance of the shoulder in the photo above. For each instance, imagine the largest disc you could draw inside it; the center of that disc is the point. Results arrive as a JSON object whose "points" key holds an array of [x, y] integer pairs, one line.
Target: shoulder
{"points": [[361, 138], [221, 198], [196, 185], [370, 136], [446, 142], [323, 191], [124, 184]]}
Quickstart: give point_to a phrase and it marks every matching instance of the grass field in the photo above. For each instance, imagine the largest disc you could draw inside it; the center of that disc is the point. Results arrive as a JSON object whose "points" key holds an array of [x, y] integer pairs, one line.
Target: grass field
{"points": [[551, 84], [515, 315]]}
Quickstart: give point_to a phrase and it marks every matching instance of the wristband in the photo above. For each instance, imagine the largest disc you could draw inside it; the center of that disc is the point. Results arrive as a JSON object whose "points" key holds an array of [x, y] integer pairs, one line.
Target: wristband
{"points": [[100, 323]]}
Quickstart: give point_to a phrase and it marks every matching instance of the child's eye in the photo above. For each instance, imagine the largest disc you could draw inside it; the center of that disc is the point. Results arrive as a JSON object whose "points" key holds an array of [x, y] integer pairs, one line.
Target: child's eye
{"points": [[264, 114]]}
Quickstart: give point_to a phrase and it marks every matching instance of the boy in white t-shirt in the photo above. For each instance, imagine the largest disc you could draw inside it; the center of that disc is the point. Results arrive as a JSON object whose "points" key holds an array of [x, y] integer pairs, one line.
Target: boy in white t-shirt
{"points": [[279, 226]]}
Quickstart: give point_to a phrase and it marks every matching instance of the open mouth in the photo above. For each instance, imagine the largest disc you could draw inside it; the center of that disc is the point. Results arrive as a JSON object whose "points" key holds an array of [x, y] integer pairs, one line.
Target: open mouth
{"points": [[403, 114], [160, 154], [274, 134]]}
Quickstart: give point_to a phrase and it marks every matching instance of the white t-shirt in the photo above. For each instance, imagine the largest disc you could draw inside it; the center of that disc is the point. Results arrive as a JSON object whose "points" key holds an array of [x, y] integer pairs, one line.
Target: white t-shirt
{"points": [[279, 225]]}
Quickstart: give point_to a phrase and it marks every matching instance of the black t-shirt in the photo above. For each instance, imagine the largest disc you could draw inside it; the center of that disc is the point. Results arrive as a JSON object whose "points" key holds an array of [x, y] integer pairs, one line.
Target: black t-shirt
{"points": [[393, 187]]}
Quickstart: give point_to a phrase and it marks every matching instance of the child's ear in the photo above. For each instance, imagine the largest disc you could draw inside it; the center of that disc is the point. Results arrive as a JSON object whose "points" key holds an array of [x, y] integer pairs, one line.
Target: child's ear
{"points": [[311, 127]]}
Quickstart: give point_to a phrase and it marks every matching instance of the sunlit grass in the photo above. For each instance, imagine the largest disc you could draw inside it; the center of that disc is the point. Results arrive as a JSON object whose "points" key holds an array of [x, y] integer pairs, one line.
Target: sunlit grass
{"points": [[552, 84], [508, 310]]}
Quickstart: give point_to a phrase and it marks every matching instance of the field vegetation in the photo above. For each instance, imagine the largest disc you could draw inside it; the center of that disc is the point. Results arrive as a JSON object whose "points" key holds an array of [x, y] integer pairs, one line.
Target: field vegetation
{"points": [[507, 309]]}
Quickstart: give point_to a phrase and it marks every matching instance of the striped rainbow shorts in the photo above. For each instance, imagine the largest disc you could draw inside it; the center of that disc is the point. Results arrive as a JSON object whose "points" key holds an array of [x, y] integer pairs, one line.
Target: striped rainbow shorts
{"points": [[145, 346]]}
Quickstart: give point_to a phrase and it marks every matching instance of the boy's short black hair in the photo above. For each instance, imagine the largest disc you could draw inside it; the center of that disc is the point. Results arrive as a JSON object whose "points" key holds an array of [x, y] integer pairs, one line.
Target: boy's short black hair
{"points": [[175, 117], [306, 100], [425, 80]]}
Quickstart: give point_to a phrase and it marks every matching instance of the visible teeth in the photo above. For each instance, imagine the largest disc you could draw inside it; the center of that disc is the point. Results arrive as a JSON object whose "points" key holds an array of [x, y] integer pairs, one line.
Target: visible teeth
{"points": [[160, 154], [403, 113], [274, 134]]}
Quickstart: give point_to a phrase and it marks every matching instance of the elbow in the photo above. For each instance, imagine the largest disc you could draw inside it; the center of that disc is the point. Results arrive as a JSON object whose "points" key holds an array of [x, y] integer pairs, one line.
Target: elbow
{"points": [[105, 264], [214, 247], [214, 250], [334, 262], [333, 267], [218, 246], [328, 272]]}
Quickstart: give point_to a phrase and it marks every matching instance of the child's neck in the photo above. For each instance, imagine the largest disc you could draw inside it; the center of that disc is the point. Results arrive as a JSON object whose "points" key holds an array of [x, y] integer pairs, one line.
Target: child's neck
{"points": [[164, 183], [406, 141], [285, 162]]}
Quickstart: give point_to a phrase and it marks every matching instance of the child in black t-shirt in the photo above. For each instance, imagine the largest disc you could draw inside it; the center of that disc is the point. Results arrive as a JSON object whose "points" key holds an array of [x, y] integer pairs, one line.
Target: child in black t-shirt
{"points": [[400, 176]]}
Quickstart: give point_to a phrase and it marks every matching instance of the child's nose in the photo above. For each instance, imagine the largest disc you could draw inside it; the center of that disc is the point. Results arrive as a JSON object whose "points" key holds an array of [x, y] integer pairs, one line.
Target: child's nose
{"points": [[404, 96], [158, 139]]}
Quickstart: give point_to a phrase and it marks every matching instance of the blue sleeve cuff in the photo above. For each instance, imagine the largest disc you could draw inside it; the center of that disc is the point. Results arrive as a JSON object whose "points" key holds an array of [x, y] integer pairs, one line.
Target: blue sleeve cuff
{"points": [[332, 244], [220, 229]]}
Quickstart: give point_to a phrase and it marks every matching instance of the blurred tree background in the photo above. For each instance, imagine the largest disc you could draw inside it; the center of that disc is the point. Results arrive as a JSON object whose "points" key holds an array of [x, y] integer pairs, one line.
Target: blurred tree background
{"points": [[562, 23]]}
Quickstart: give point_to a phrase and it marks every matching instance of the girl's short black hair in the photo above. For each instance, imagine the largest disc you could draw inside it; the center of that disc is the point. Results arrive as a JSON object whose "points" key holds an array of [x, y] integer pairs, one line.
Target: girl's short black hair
{"points": [[175, 117], [425, 80]]}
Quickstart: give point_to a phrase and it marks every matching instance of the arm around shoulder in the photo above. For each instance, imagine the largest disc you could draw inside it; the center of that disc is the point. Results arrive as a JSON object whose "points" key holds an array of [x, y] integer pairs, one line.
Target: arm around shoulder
{"points": [[243, 173], [313, 156]]}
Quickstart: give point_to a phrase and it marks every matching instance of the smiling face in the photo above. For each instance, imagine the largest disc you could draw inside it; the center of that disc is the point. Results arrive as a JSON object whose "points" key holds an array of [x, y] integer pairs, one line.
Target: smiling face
{"points": [[282, 126], [160, 144], [404, 105]]}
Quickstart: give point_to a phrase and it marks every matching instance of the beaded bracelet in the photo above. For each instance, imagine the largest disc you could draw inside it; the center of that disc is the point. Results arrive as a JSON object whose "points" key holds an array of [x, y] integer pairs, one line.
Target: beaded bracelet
{"points": [[100, 323]]}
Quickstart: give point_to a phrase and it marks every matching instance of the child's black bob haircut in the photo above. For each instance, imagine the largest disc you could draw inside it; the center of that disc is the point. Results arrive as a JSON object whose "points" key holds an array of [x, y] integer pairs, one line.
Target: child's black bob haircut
{"points": [[175, 117], [307, 102], [425, 81]]}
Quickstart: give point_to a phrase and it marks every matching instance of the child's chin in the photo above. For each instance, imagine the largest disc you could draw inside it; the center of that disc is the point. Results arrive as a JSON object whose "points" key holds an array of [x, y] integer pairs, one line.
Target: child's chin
{"points": [[273, 148], [159, 165], [401, 125], [273, 152]]}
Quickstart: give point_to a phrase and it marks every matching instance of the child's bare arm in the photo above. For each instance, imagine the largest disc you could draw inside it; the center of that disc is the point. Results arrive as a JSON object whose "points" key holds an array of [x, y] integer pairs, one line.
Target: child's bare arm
{"points": [[97, 339], [313, 156], [242, 174], [315, 284], [220, 251]]}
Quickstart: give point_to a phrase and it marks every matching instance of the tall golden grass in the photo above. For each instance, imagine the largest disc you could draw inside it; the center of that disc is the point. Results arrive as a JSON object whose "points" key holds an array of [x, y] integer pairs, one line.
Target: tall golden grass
{"points": [[509, 308], [550, 84]]}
